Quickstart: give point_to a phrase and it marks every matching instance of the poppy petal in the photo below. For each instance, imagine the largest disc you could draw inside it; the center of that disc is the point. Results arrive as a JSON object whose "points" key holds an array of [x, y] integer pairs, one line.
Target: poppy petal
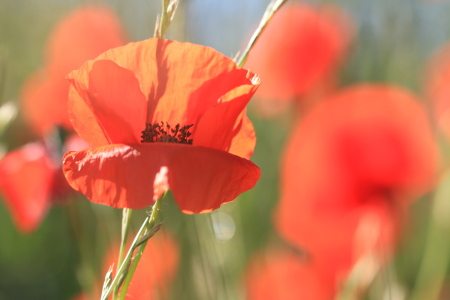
{"points": [[131, 176], [222, 88], [203, 179], [216, 128], [26, 178], [243, 143], [121, 112], [83, 120], [196, 76], [117, 175]]}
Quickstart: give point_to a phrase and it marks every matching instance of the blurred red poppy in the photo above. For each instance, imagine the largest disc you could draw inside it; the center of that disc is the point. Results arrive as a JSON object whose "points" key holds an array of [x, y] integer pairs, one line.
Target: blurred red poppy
{"points": [[350, 170], [31, 180], [155, 271], [284, 275], [298, 53], [437, 85], [26, 178], [81, 35], [162, 114]]}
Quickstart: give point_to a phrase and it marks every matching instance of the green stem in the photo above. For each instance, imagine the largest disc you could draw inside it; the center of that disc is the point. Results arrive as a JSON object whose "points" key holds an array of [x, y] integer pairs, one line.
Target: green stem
{"points": [[162, 25], [169, 7], [124, 266], [126, 217], [270, 11], [149, 231]]}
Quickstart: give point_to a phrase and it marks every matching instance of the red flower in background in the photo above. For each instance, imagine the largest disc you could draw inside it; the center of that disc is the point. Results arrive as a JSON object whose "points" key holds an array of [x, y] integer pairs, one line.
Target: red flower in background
{"points": [[31, 176], [437, 84], [31, 180], [81, 35], [350, 170], [284, 275], [298, 53], [26, 177], [162, 114]]}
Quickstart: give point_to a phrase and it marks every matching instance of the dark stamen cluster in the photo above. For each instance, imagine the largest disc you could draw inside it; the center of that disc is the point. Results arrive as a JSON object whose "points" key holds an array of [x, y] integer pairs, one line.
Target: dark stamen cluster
{"points": [[160, 132]]}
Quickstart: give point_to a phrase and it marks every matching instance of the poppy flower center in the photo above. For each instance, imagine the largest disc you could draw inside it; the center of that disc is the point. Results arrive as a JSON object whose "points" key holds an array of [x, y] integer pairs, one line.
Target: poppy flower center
{"points": [[164, 133]]}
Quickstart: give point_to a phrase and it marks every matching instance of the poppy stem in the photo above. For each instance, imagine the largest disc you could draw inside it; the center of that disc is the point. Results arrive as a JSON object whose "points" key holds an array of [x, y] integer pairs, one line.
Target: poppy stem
{"points": [[123, 269], [150, 229], [273, 7], [169, 7], [126, 217]]}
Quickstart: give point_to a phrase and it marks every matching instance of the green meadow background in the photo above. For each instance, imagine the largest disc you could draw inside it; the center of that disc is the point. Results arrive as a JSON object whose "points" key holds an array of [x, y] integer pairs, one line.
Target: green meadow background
{"points": [[393, 40]]}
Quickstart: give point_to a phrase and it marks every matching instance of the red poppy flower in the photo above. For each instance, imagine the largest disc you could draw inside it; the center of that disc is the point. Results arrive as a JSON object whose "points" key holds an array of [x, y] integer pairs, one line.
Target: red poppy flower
{"points": [[162, 114], [155, 270], [26, 177], [350, 169], [283, 275], [82, 35], [437, 84], [299, 51], [30, 181]]}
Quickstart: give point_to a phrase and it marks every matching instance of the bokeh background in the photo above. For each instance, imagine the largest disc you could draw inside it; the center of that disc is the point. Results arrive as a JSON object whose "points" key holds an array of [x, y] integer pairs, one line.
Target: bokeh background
{"points": [[393, 41]]}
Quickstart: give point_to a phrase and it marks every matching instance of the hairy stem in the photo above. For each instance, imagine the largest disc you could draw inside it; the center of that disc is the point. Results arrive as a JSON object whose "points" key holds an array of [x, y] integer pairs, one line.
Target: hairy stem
{"points": [[126, 217], [123, 269], [150, 230]]}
